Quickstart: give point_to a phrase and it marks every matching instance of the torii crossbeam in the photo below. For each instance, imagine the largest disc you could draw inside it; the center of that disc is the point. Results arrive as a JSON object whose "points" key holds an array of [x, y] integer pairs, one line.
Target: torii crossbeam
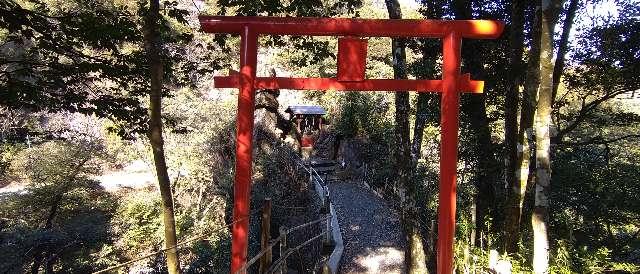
{"points": [[351, 70]]}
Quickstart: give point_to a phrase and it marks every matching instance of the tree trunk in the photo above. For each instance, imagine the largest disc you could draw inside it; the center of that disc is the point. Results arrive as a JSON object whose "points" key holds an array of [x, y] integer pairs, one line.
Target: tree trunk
{"points": [[563, 47], [540, 216], [474, 108], [152, 45], [426, 101], [427, 112], [527, 111], [418, 129], [513, 208], [48, 269], [53, 213], [414, 254], [37, 259]]}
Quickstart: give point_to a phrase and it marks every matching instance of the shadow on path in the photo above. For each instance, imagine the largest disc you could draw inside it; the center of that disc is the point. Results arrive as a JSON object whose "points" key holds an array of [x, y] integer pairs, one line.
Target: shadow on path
{"points": [[371, 231]]}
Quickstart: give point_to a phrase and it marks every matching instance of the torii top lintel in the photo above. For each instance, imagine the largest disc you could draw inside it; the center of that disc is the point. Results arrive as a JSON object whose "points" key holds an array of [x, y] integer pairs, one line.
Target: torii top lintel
{"points": [[476, 29], [351, 50]]}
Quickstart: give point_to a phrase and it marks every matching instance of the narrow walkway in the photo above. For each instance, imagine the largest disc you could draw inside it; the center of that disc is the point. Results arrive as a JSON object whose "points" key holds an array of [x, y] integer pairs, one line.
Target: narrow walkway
{"points": [[371, 231]]}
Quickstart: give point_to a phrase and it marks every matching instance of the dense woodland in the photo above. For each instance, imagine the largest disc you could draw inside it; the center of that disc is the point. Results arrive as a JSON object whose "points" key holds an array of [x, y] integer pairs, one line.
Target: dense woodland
{"points": [[548, 155]]}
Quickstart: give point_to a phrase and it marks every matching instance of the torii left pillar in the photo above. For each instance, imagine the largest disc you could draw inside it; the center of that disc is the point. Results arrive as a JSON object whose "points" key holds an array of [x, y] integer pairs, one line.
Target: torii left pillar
{"points": [[244, 145]]}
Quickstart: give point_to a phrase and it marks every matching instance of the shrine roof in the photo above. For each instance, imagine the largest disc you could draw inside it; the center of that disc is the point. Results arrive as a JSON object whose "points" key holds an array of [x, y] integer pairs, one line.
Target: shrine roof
{"points": [[317, 110]]}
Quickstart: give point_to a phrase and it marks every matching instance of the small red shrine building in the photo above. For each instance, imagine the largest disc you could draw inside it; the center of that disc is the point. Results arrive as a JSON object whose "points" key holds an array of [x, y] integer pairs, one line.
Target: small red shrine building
{"points": [[309, 121]]}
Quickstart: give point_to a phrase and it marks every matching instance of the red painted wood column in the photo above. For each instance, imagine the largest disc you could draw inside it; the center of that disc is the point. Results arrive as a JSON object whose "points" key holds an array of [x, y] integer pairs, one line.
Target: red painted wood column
{"points": [[449, 106], [244, 149]]}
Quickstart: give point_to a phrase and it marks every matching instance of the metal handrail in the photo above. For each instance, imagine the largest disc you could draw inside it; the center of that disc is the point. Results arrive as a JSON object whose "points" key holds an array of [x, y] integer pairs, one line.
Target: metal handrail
{"points": [[311, 170], [302, 165], [322, 181]]}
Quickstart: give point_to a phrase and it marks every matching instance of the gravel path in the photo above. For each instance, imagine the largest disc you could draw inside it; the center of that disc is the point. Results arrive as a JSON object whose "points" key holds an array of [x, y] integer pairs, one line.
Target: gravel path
{"points": [[371, 231]]}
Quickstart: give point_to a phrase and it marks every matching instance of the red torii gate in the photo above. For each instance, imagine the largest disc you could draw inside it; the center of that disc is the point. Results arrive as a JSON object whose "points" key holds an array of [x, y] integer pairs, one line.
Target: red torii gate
{"points": [[351, 71]]}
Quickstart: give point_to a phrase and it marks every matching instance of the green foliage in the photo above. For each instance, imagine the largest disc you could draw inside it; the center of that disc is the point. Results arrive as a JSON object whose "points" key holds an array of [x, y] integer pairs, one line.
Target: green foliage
{"points": [[61, 49], [307, 50], [562, 259], [7, 153], [137, 221], [593, 195], [89, 57], [315, 8], [572, 259], [473, 259], [56, 173], [211, 256], [199, 155], [365, 117], [608, 198], [61, 216], [591, 217], [278, 176], [363, 114], [608, 52]]}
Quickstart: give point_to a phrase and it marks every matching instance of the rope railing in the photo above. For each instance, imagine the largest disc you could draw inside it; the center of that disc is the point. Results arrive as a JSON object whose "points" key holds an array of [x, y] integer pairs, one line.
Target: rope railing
{"points": [[260, 254], [298, 162], [201, 237], [307, 224], [286, 252], [282, 239], [317, 176], [278, 263], [273, 243]]}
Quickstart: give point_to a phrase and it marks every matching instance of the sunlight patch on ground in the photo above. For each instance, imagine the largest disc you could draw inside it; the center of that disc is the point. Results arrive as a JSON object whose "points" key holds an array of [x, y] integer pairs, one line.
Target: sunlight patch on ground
{"points": [[13, 188], [136, 175], [382, 260]]}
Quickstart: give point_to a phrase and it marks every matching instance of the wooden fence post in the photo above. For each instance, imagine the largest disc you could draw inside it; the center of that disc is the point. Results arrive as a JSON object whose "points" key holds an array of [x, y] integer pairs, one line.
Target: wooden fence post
{"points": [[265, 236], [325, 268], [327, 210], [432, 236], [283, 249]]}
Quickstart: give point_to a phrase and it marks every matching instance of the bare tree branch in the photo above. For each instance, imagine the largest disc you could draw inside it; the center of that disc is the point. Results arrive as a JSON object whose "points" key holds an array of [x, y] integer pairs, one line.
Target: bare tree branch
{"points": [[585, 110], [599, 140]]}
